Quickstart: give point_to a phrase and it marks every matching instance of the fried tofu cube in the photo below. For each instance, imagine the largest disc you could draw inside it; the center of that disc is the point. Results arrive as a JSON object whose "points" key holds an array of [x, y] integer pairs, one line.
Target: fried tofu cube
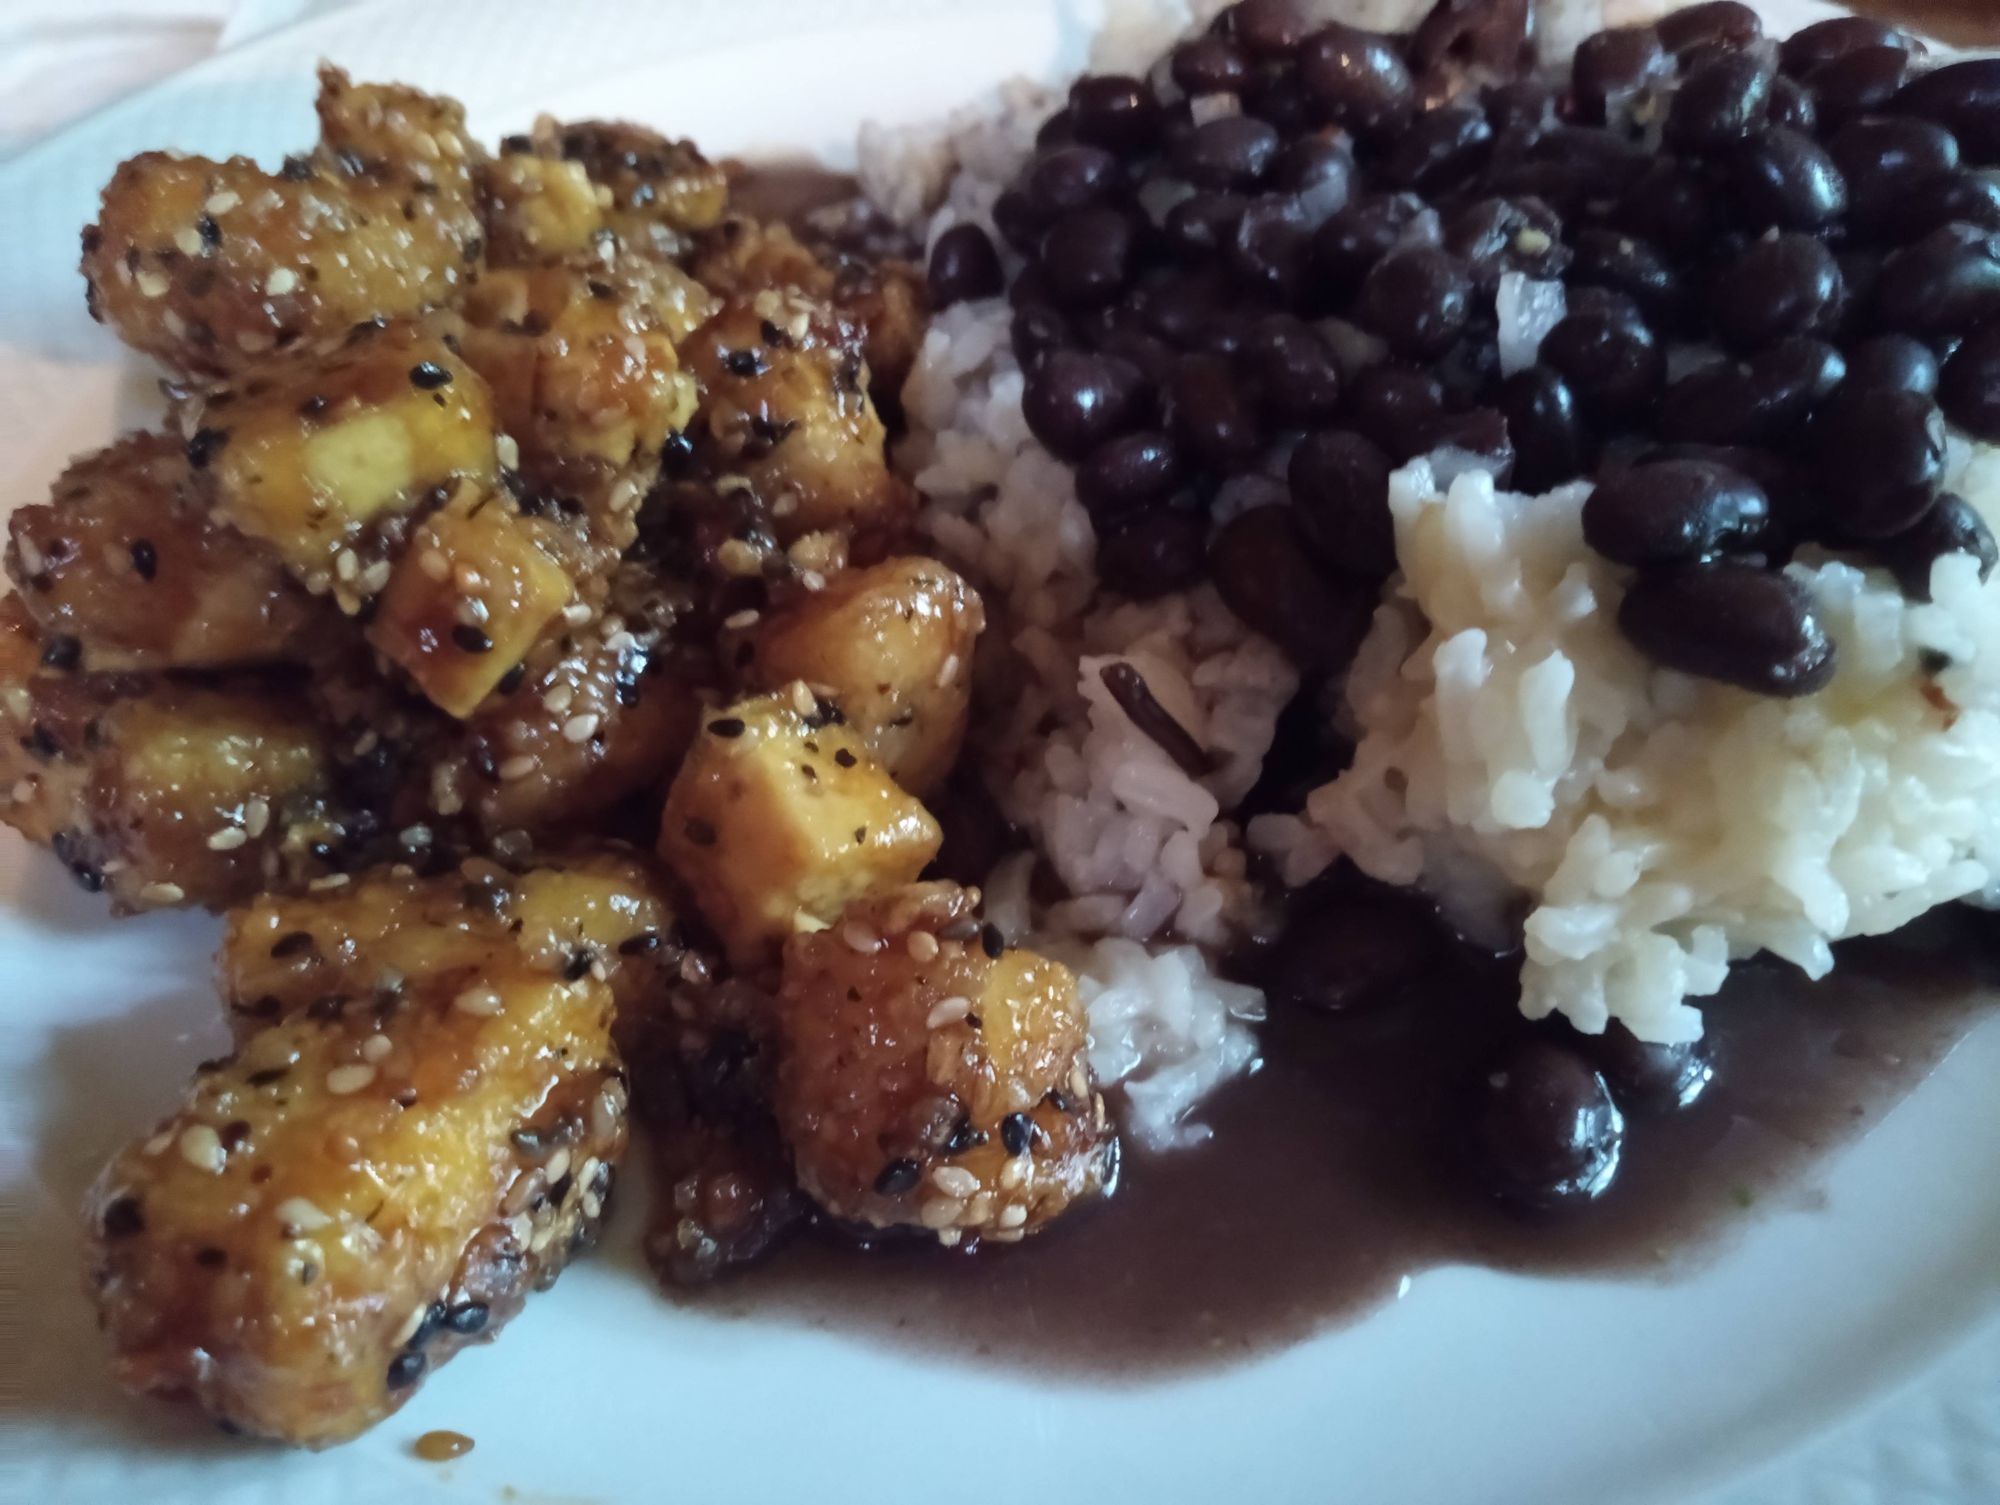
{"points": [[661, 192], [538, 209], [929, 1075], [358, 1191], [124, 561], [322, 458], [779, 816], [891, 645], [467, 600]]}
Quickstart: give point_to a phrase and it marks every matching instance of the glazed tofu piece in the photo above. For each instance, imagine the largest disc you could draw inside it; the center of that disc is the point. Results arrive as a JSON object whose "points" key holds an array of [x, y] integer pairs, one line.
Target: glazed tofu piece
{"points": [[930, 1075], [658, 193], [891, 645], [779, 817], [210, 266], [785, 404], [539, 209], [324, 457], [357, 1192], [126, 563], [597, 915], [163, 793]]}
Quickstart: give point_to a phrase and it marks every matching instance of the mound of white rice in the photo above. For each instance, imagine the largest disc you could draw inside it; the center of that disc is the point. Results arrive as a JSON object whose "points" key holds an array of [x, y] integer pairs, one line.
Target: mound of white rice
{"points": [[1514, 752]]}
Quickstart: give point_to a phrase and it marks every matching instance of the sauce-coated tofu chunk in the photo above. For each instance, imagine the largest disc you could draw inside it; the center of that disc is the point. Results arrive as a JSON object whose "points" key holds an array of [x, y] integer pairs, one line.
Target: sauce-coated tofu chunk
{"points": [[779, 816], [928, 1074]]}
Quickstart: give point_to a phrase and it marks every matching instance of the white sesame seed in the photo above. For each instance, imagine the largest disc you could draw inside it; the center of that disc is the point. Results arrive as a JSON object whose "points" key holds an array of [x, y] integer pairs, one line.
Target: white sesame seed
{"points": [[347, 564], [736, 621], [24, 790], [1013, 1215], [220, 202], [860, 938], [948, 1011], [580, 728], [940, 1212], [300, 1216], [187, 241], [522, 1227], [201, 1147], [1014, 1172], [507, 451], [472, 611], [482, 1001], [694, 969], [948, 671], [922, 945], [954, 1181], [162, 893], [606, 1110], [255, 342], [345, 1079], [434, 564], [410, 1324], [227, 839], [151, 285], [468, 579], [517, 767], [738, 558], [330, 881], [624, 496], [726, 485], [812, 580], [159, 1144], [558, 700], [367, 742], [415, 836], [280, 282], [620, 641], [592, 1206], [577, 614], [376, 1048], [256, 816], [376, 576], [558, 1163], [543, 1237], [32, 560]]}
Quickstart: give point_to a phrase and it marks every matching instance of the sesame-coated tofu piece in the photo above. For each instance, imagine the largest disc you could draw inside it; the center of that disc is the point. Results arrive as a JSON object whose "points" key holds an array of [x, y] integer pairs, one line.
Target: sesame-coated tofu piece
{"points": [[211, 266], [891, 645], [658, 193], [779, 816], [930, 1075], [127, 563], [357, 1192]]}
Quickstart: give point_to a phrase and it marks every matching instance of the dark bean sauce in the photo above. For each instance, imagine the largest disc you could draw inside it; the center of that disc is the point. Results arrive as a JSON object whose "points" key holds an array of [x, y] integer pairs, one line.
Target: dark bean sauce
{"points": [[1335, 1172]]}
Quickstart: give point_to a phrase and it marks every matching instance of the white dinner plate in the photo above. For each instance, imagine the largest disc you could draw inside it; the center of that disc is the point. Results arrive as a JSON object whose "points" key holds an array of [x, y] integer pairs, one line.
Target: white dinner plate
{"points": [[1843, 1346]]}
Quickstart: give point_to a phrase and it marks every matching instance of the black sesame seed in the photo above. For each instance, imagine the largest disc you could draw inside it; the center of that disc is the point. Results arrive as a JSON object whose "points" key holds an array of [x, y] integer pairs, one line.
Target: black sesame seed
{"points": [[991, 941], [297, 169], [61, 652], [860, 835], [405, 1370], [471, 639], [743, 363], [897, 1177], [727, 726], [270, 1076], [429, 376], [205, 446], [145, 558], [845, 758], [427, 1326], [209, 231], [1933, 661], [467, 1317], [1017, 1132], [963, 1137], [293, 943], [40, 743], [210, 1258], [235, 1135], [528, 1141], [313, 406], [578, 966], [642, 944], [699, 831], [123, 1217], [1056, 1099]]}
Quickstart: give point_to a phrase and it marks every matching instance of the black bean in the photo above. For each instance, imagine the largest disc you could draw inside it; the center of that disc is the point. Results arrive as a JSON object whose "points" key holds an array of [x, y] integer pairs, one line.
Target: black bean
{"points": [[1788, 483], [1718, 23], [1525, 105], [1154, 358], [1479, 435], [1470, 370], [1672, 512], [1321, 164], [1634, 266], [1719, 103], [1035, 331], [1647, 1078], [1438, 149], [1790, 379], [1614, 67], [1164, 550], [1268, 28], [1780, 285], [1266, 253], [1231, 151], [1545, 1134], [963, 267], [1340, 492], [1068, 178], [1969, 386], [1019, 224], [1058, 130], [1210, 65], [1417, 299], [1792, 105], [1357, 79], [1114, 111], [1941, 286], [405, 1370], [1965, 197], [1213, 415], [1074, 401], [1614, 365], [1353, 954], [1823, 41], [1733, 622], [1965, 99], [1883, 157], [1893, 363], [1354, 239], [1881, 460], [1266, 576], [1293, 370], [1862, 82], [1128, 475], [1550, 440], [1394, 404], [1087, 257], [1780, 177], [1275, 95], [1953, 526], [1202, 224], [1495, 236], [1671, 205]]}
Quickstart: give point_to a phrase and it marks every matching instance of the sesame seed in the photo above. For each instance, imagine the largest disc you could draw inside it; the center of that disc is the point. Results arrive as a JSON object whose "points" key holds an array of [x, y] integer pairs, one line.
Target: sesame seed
{"points": [[482, 1001], [1017, 1133], [220, 202], [947, 1011], [187, 241], [228, 839], [558, 1163], [331, 880], [897, 1177], [736, 621], [470, 639], [592, 1206], [844, 758], [517, 767], [346, 564], [940, 1212], [300, 1216], [24, 790], [607, 1109], [922, 945], [1013, 1172], [428, 376], [151, 285], [1013, 1215], [576, 614], [162, 893], [991, 941], [376, 1048], [727, 726], [32, 560], [471, 612], [948, 671], [812, 580], [738, 558], [434, 565], [860, 938], [624, 496], [507, 450], [256, 816], [580, 728], [376, 576], [468, 579], [345, 1079], [201, 1147], [954, 1181], [280, 282]]}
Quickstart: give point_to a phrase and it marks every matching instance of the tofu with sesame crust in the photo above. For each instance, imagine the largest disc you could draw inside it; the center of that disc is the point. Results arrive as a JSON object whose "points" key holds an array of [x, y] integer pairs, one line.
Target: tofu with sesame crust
{"points": [[931, 1076]]}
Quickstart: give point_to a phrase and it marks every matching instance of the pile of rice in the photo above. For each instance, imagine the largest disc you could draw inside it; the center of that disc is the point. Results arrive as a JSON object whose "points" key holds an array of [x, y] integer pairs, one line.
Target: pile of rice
{"points": [[1515, 756]]}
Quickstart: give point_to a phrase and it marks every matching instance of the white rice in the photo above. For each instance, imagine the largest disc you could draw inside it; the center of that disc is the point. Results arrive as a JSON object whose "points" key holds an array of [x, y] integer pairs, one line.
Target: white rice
{"points": [[1514, 751]]}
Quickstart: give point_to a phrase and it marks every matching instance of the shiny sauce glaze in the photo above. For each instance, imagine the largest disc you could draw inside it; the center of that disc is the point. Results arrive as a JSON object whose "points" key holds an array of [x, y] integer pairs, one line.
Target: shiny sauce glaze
{"points": [[1341, 1164]]}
